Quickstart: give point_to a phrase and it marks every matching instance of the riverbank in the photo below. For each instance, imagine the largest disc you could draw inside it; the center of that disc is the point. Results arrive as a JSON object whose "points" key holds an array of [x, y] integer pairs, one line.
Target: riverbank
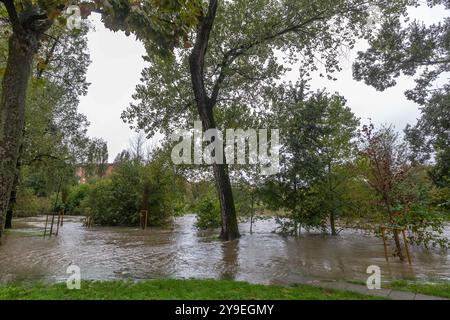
{"points": [[171, 289], [440, 289]]}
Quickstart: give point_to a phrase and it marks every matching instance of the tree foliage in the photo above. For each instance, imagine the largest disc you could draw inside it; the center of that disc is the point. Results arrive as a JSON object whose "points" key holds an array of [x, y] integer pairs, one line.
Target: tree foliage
{"points": [[318, 144], [403, 197], [409, 48]]}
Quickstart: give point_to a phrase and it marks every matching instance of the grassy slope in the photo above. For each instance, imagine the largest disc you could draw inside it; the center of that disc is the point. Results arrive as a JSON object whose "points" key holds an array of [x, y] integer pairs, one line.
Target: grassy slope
{"points": [[433, 289], [170, 289]]}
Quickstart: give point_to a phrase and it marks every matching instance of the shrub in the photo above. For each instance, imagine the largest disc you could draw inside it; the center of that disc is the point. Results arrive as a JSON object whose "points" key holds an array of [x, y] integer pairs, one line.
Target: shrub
{"points": [[28, 204], [74, 199], [114, 200], [117, 200], [208, 212]]}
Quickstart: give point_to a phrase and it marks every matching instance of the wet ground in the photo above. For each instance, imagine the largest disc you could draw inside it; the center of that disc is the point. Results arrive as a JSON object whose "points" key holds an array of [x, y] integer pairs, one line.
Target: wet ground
{"points": [[183, 252]]}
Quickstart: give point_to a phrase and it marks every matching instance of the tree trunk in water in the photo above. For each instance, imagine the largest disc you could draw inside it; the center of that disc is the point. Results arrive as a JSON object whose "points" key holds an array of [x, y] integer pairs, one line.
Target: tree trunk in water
{"points": [[12, 112], [396, 237], [331, 200], [13, 196], [12, 200], [398, 245], [333, 224], [230, 228], [205, 107]]}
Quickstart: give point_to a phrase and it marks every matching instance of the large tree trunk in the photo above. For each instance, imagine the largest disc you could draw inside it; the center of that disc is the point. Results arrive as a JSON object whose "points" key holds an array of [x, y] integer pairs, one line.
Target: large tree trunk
{"points": [[230, 228], [12, 200], [205, 107], [13, 196], [12, 112]]}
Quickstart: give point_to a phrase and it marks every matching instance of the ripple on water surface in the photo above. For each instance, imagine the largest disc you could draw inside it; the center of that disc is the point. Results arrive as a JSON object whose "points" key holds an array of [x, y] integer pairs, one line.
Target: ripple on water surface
{"points": [[181, 251]]}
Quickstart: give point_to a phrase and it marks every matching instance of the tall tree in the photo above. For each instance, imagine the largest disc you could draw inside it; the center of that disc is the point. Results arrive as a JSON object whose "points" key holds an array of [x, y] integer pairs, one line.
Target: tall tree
{"points": [[27, 28], [235, 59], [337, 149], [318, 141], [205, 104], [96, 157], [53, 127], [161, 23]]}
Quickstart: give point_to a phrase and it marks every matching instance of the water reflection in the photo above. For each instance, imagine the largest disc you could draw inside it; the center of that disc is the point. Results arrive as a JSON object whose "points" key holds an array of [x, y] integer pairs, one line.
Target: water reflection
{"points": [[183, 252], [230, 259]]}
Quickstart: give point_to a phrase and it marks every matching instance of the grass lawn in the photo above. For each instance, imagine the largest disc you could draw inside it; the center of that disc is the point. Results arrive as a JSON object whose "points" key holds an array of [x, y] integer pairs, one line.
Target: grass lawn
{"points": [[439, 289], [171, 289]]}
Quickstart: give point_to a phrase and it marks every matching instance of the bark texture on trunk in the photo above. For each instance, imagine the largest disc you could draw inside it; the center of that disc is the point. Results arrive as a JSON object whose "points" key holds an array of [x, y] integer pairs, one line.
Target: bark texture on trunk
{"points": [[205, 106], [23, 44], [12, 112], [13, 196], [12, 201]]}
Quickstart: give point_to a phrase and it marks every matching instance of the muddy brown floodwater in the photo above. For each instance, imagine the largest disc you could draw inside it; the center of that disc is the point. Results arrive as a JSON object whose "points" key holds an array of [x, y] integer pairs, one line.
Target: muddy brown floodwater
{"points": [[183, 252]]}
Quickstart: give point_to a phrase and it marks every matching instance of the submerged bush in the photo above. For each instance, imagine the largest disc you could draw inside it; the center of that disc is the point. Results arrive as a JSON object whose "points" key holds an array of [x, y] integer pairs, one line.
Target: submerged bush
{"points": [[208, 212], [114, 200], [117, 200], [74, 199], [28, 204]]}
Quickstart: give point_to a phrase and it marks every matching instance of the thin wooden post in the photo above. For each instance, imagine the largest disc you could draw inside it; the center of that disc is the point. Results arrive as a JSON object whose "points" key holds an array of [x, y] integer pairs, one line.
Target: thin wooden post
{"points": [[51, 225], [54, 207], [405, 241], [62, 217], [384, 242], [89, 221], [46, 223], [57, 224], [144, 219]]}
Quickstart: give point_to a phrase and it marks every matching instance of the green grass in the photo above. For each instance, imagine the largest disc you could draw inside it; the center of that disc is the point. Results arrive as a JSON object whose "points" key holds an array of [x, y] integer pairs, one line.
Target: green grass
{"points": [[171, 289], [439, 289]]}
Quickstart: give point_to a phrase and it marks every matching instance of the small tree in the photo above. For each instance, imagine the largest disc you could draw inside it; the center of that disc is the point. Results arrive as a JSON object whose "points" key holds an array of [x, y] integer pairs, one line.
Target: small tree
{"points": [[401, 199], [318, 133], [388, 168]]}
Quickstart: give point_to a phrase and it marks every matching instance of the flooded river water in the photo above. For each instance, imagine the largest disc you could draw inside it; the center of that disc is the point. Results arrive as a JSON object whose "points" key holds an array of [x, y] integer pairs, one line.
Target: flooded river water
{"points": [[182, 252]]}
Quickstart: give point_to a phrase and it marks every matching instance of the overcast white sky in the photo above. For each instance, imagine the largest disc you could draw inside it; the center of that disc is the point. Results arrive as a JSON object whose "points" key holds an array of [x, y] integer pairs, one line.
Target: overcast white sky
{"points": [[117, 64]]}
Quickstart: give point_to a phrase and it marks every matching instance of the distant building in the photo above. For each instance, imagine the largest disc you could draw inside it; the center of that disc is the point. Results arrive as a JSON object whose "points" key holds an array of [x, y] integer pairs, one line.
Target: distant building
{"points": [[80, 172]]}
